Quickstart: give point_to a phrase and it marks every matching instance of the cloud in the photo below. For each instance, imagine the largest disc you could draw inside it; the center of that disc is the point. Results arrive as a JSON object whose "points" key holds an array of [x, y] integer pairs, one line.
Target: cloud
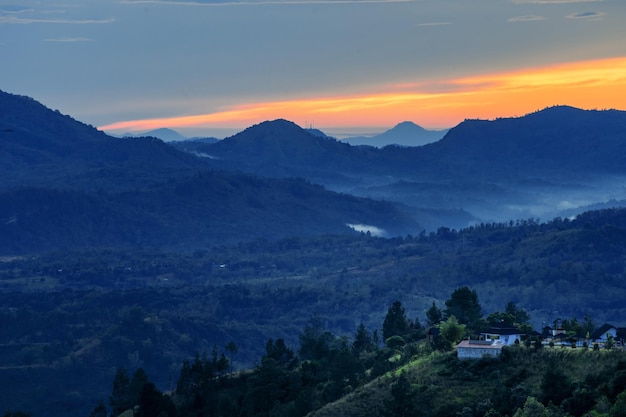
{"points": [[526, 18], [68, 40], [554, 1], [21, 15], [15, 9], [434, 24], [366, 228], [596, 83], [586, 15], [30, 20], [259, 2]]}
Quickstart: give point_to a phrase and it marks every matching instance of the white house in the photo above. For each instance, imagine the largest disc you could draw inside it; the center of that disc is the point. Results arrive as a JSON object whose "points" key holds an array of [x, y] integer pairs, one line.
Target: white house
{"points": [[505, 335], [476, 349], [602, 334]]}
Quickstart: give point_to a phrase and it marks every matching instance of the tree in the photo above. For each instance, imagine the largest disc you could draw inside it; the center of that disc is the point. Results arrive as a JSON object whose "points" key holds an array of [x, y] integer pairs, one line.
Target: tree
{"points": [[395, 323], [532, 408], [520, 316], [100, 410], [279, 352], [402, 402], [315, 341], [619, 408], [232, 348], [610, 342], [433, 315], [395, 342], [126, 391], [362, 340], [137, 383], [120, 399], [588, 325], [555, 386], [269, 385], [463, 304], [153, 403], [451, 331]]}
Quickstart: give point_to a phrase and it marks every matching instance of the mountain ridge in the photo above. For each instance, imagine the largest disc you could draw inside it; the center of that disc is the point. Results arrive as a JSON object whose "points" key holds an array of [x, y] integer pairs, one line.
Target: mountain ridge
{"points": [[544, 165], [67, 185], [403, 134]]}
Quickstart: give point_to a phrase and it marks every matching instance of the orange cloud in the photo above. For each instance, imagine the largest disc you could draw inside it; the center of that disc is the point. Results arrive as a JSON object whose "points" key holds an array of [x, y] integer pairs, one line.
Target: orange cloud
{"points": [[444, 103]]}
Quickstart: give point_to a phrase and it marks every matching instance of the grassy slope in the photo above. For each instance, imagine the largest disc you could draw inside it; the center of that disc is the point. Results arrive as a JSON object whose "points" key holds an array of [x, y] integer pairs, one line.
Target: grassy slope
{"points": [[445, 385]]}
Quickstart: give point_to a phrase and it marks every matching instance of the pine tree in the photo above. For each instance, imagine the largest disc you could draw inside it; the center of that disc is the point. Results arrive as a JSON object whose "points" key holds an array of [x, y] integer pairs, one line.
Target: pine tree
{"points": [[433, 315], [402, 402], [120, 399], [396, 323], [463, 304], [362, 340]]}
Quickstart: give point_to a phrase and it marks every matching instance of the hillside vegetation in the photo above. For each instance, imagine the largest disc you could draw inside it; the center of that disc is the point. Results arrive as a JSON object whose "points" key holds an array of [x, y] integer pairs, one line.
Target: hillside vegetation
{"points": [[356, 376], [83, 314], [121, 259]]}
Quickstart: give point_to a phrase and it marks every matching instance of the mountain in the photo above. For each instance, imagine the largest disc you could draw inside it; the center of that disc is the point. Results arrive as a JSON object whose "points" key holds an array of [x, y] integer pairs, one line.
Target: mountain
{"points": [[551, 163], [68, 185], [560, 140], [194, 145], [317, 132], [542, 165], [165, 134], [184, 214], [403, 134], [128, 253], [41, 147], [282, 148]]}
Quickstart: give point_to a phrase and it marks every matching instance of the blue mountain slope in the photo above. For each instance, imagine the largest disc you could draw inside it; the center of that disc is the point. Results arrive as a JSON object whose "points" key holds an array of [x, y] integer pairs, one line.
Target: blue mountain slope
{"points": [[403, 134]]}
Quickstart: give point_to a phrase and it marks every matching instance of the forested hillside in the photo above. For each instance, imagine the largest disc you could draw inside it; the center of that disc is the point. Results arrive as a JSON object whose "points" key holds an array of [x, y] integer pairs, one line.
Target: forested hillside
{"points": [[123, 257], [397, 372], [185, 213], [70, 319]]}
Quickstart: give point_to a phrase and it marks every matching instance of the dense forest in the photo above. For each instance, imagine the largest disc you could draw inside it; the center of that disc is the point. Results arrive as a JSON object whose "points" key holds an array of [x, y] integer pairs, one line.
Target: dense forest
{"points": [[71, 319], [397, 372]]}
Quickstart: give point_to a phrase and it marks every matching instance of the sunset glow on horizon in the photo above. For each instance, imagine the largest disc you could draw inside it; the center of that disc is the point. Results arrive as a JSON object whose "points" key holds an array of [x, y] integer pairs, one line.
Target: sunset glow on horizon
{"points": [[592, 84]]}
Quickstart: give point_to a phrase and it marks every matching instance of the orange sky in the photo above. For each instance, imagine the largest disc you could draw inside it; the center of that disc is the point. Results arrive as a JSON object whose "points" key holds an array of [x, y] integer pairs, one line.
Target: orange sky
{"points": [[597, 84]]}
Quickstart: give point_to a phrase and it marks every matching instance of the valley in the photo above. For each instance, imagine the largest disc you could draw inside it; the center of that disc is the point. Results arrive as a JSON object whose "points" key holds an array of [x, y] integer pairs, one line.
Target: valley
{"points": [[133, 253]]}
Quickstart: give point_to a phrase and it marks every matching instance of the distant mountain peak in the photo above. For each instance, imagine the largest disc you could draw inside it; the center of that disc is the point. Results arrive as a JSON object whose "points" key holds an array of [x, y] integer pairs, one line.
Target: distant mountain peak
{"points": [[165, 134], [276, 125], [404, 134], [274, 131], [405, 128]]}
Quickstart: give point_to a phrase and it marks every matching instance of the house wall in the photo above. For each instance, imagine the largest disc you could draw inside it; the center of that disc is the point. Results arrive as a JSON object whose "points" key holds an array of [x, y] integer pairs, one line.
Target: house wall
{"points": [[477, 352], [612, 331]]}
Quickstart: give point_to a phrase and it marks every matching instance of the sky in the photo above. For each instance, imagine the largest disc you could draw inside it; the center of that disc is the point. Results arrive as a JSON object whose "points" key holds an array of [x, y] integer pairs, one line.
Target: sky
{"points": [[215, 67]]}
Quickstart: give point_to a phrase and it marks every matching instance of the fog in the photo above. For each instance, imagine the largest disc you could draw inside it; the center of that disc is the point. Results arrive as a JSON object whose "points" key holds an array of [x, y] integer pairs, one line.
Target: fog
{"points": [[463, 204]]}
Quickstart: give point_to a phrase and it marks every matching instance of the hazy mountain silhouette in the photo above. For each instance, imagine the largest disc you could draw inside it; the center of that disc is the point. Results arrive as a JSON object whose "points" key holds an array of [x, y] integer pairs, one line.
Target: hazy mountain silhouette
{"points": [[403, 134], [67, 185], [550, 163], [317, 132], [203, 210], [165, 134], [281, 148], [558, 140], [537, 165], [39, 146]]}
